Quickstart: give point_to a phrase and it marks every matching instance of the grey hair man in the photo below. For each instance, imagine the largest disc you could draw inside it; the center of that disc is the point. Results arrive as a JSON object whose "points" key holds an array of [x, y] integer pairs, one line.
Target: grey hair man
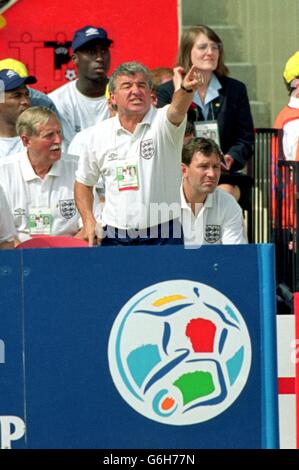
{"points": [[38, 183], [140, 137]]}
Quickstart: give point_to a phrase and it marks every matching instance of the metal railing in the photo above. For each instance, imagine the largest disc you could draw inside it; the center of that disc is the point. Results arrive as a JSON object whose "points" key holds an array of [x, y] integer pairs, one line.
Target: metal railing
{"points": [[263, 169]]}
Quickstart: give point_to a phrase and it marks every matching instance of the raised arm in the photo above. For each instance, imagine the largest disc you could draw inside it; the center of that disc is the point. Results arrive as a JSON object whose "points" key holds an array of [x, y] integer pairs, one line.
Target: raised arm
{"points": [[185, 85]]}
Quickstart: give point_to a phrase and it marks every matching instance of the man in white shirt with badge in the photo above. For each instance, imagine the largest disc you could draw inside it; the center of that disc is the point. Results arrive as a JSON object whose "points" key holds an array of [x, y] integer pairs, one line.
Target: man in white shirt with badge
{"points": [[14, 99], [82, 102], [38, 183], [137, 153], [210, 216], [7, 228]]}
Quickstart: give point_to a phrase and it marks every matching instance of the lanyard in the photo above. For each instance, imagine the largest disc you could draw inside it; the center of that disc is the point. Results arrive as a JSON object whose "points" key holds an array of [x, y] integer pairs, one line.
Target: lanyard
{"points": [[211, 110]]}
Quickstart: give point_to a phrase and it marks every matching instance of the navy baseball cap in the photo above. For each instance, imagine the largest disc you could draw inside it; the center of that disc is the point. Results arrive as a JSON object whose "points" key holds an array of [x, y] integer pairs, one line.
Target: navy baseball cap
{"points": [[89, 33], [12, 79]]}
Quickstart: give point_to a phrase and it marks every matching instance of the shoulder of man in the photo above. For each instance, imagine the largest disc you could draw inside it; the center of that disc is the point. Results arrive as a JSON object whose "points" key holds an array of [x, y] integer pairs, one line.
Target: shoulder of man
{"points": [[60, 91], [11, 160], [226, 200], [38, 98]]}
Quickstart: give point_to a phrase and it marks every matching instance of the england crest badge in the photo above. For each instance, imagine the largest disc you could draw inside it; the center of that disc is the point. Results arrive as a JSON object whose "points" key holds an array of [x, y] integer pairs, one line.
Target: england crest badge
{"points": [[67, 208], [147, 150], [212, 233]]}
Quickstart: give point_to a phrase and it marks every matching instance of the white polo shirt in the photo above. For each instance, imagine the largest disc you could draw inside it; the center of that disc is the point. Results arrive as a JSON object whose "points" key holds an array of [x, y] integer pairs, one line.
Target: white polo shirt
{"points": [[77, 111], [25, 190], [7, 228], [219, 221], [10, 146], [154, 150]]}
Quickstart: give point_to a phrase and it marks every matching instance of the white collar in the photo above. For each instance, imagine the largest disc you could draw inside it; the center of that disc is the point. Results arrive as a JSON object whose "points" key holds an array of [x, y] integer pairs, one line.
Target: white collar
{"points": [[186, 205], [28, 172], [147, 120]]}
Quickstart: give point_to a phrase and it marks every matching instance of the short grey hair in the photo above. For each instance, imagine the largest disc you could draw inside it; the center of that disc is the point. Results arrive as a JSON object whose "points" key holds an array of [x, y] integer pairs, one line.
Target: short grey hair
{"points": [[130, 69], [29, 119]]}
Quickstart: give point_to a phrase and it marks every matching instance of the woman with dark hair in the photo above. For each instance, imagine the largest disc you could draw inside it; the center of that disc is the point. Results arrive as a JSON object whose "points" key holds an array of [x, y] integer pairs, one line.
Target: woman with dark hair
{"points": [[220, 101]]}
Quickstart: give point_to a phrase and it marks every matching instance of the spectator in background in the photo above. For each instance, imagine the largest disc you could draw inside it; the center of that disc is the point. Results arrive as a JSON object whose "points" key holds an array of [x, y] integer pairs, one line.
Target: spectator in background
{"points": [[14, 99], [7, 228], [288, 118], [38, 183], [219, 99], [83, 102], [37, 97], [159, 75], [210, 216]]}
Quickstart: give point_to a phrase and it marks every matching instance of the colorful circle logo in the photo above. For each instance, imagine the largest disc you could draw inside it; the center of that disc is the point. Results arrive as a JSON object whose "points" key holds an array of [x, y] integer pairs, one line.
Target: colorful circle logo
{"points": [[179, 352]]}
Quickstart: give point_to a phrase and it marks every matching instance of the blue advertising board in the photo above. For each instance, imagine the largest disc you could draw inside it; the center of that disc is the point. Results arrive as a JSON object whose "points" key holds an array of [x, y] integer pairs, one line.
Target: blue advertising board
{"points": [[138, 348]]}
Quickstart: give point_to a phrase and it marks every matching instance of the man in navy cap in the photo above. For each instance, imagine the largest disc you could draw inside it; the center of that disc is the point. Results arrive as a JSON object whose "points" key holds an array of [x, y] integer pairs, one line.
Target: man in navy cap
{"points": [[82, 103], [14, 99]]}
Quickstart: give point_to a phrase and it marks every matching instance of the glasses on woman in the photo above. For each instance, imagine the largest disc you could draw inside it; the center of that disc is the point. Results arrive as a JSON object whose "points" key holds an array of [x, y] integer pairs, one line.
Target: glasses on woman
{"points": [[215, 47]]}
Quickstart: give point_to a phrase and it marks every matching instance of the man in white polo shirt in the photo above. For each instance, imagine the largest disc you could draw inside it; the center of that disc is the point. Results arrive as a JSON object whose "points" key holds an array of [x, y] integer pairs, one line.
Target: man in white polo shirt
{"points": [[210, 216], [82, 102], [7, 228], [137, 153], [37, 182]]}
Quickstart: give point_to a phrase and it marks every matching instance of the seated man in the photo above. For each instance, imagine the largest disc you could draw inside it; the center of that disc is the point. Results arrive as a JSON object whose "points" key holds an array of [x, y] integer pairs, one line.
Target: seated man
{"points": [[7, 228], [37, 182], [210, 216]]}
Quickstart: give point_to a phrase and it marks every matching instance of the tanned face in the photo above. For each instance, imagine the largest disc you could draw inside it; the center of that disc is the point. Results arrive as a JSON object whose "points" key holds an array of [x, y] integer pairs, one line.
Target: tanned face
{"points": [[132, 94], [15, 102], [93, 60]]}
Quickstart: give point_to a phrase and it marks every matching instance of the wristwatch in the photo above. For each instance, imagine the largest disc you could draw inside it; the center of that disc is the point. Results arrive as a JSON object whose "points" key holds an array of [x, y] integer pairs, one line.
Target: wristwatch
{"points": [[186, 89]]}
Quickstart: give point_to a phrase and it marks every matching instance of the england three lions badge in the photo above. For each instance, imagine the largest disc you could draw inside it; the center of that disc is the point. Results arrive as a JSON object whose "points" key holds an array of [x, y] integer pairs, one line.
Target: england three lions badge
{"points": [[67, 208], [147, 150], [212, 233]]}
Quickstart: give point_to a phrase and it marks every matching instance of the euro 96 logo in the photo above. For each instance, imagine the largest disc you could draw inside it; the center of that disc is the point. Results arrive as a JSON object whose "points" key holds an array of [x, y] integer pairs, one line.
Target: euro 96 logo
{"points": [[179, 352]]}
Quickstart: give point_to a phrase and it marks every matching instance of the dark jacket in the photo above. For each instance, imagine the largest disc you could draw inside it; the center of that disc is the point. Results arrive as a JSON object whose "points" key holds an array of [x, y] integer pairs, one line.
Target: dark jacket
{"points": [[232, 112]]}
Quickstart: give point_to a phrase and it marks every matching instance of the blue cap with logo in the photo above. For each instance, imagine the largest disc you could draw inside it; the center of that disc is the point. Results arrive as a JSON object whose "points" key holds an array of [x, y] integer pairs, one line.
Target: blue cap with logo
{"points": [[11, 79], [89, 33]]}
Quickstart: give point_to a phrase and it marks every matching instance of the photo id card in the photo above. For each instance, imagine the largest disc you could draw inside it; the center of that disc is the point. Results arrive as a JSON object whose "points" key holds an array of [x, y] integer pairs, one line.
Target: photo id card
{"points": [[207, 129], [127, 177], [40, 221]]}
